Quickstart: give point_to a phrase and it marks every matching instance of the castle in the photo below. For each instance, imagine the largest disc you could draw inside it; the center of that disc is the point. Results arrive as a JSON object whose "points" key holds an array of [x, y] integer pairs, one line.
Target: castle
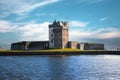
{"points": [[58, 38]]}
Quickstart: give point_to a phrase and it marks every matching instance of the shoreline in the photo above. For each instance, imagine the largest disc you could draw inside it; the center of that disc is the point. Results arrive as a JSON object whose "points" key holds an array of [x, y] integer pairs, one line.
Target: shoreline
{"points": [[15, 53]]}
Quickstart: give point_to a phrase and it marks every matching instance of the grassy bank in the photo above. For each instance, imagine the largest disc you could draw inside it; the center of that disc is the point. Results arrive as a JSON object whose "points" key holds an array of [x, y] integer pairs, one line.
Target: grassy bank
{"points": [[51, 50], [66, 51]]}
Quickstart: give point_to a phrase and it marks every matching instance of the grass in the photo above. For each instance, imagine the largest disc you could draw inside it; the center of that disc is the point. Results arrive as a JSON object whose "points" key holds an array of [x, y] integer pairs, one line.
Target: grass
{"points": [[11, 51], [66, 51], [56, 50], [51, 50]]}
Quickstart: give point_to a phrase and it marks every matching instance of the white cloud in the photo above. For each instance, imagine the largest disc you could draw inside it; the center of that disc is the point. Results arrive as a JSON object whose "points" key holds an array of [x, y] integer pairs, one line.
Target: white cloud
{"points": [[39, 4], [103, 19], [29, 31], [22, 6], [109, 33], [6, 26], [78, 23], [101, 33], [34, 31]]}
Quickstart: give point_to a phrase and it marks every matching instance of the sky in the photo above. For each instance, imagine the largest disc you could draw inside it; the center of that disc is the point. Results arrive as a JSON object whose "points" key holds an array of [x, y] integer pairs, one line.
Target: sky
{"points": [[89, 20]]}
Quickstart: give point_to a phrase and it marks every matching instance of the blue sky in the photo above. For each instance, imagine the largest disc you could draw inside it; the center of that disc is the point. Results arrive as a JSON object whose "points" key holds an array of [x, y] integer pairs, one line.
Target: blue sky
{"points": [[89, 20]]}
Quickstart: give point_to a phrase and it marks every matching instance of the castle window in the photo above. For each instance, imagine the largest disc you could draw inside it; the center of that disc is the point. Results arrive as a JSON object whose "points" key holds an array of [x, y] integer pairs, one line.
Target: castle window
{"points": [[53, 30], [51, 35], [52, 40], [60, 41]]}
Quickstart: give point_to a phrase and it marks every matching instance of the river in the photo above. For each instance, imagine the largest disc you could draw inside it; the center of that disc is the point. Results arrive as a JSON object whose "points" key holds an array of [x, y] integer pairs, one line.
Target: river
{"points": [[80, 67]]}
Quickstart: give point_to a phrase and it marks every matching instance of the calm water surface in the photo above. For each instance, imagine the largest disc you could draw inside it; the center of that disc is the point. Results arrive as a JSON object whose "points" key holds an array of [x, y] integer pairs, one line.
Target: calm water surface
{"points": [[82, 67]]}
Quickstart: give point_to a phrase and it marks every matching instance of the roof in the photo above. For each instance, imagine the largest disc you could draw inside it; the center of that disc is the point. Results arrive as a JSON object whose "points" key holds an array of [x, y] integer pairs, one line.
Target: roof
{"points": [[30, 42], [90, 43]]}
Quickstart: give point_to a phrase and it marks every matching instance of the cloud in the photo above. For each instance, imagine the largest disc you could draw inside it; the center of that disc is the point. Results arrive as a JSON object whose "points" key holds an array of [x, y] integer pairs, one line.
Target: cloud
{"points": [[34, 31], [78, 23], [28, 31], [101, 33], [103, 19], [22, 6], [39, 4], [6, 26]]}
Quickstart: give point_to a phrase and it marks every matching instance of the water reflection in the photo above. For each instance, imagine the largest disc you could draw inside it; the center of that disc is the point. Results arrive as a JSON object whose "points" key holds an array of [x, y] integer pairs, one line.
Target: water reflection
{"points": [[59, 68], [112, 56]]}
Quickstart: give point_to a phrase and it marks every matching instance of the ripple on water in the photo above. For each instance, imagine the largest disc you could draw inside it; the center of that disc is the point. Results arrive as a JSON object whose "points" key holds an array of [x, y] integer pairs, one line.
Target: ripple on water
{"points": [[84, 67]]}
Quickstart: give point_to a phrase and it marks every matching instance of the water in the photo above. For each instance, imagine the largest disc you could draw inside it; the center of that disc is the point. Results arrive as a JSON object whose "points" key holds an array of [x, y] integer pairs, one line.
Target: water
{"points": [[82, 67]]}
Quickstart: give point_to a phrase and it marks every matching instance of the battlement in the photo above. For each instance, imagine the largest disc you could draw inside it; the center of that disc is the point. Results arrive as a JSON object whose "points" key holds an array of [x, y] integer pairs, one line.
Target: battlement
{"points": [[59, 24]]}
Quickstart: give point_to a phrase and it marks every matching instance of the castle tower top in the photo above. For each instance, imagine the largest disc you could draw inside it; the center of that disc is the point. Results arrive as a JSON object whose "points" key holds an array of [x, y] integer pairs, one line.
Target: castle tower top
{"points": [[59, 24]]}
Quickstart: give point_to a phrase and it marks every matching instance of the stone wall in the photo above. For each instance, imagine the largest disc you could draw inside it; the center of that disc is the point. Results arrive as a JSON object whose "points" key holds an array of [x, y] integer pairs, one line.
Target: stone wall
{"points": [[91, 46], [72, 44], [33, 45]]}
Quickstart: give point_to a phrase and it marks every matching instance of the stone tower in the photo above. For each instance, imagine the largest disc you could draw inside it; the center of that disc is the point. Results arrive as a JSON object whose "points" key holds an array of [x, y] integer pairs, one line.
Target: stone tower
{"points": [[58, 34]]}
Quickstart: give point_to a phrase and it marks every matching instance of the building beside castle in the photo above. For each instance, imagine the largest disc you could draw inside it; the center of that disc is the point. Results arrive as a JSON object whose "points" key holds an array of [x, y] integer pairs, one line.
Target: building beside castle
{"points": [[58, 38], [30, 45]]}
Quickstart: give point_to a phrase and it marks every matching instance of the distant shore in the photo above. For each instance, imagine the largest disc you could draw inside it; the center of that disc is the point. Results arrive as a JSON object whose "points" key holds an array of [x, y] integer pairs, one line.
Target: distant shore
{"points": [[13, 53]]}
